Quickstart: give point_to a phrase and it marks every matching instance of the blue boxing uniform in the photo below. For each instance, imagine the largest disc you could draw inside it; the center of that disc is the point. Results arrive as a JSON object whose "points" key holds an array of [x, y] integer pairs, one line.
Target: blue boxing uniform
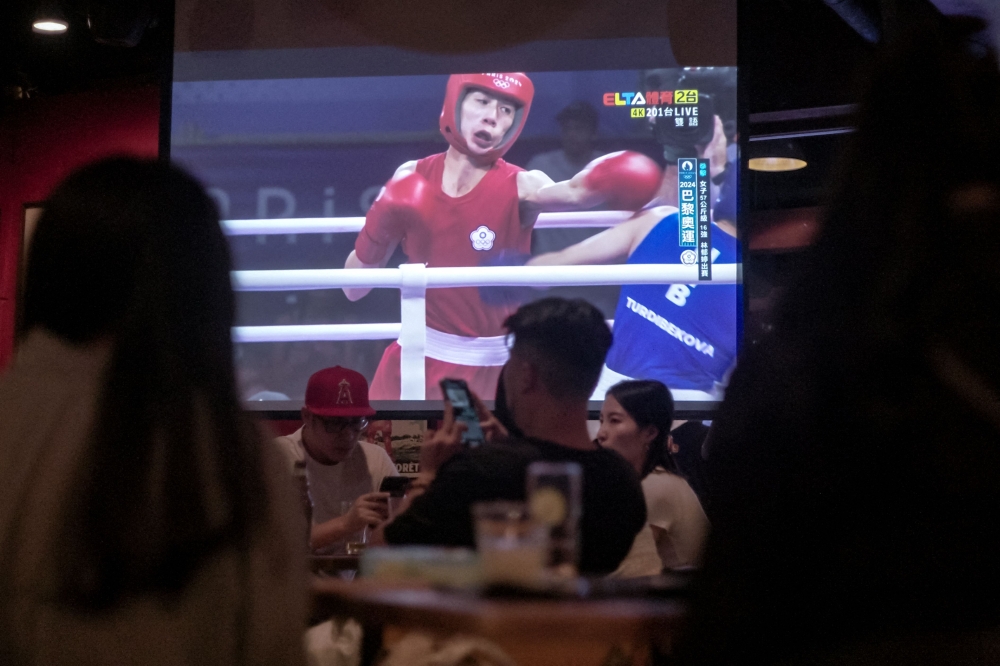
{"points": [[682, 335]]}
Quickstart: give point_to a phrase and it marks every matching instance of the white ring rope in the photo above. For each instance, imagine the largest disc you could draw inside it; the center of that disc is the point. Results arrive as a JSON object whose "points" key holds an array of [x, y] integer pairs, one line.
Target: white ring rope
{"points": [[316, 332], [338, 225], [323, 332], [485, 276]]}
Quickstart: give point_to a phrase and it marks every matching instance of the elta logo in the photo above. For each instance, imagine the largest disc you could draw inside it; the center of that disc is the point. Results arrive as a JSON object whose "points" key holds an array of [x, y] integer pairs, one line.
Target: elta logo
{"points": [[651, 98]]}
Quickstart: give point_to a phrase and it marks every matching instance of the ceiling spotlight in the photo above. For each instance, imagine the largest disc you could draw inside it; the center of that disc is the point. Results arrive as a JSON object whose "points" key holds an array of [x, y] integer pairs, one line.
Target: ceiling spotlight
{"points": [[49, 27], [49, 20], [776, 164], [776, 156]]}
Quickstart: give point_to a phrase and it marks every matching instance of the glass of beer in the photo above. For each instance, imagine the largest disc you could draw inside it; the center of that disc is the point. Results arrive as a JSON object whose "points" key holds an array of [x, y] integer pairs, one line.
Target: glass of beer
{"points": [[554, 491], [354, 543], [512, 547]]}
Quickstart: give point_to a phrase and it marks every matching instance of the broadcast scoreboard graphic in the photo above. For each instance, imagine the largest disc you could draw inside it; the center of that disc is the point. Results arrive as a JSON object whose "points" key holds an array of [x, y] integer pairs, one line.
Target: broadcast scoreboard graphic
{"points": [[695, 229], [681, 105]]}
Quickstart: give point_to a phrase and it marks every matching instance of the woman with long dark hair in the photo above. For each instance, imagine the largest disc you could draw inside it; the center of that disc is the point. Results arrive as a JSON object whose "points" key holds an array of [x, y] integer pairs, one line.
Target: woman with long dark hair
{"points": [[635, 422], [142, 520]]}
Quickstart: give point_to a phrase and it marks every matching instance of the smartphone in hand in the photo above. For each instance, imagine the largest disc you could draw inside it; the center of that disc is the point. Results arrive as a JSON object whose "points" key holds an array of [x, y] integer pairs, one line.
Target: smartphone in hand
{"points": [[396, 486], [456, 391]]}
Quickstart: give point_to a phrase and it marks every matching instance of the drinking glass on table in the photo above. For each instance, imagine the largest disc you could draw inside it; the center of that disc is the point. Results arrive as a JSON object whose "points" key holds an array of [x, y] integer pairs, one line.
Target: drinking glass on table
{"points": [[512, 547], [355, 542], [555, 499]]}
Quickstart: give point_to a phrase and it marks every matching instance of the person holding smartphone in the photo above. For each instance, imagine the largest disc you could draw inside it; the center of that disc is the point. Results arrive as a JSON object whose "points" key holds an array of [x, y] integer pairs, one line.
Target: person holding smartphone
{"points": [[340, 470], [555, 361]]}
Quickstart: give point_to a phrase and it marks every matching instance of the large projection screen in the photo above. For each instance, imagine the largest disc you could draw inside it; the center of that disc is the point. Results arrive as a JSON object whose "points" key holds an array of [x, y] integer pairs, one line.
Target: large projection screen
{"points": [[295, 115]]}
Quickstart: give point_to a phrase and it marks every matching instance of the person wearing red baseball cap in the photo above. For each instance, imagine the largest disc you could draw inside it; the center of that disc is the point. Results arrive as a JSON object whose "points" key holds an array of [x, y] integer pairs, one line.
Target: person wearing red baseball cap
{"points": [[339, 468], [468, 207]]}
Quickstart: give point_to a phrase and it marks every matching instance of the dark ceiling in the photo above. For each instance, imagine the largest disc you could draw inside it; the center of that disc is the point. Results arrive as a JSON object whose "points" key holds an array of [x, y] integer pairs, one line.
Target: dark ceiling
{"points": [[33, 65], [803, 54], [794, 54], [797, 54]]}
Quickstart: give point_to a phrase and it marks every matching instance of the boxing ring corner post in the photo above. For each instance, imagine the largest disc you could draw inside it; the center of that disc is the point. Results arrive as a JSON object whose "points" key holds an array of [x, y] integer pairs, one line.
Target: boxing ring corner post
{"points": [[413, 331]]}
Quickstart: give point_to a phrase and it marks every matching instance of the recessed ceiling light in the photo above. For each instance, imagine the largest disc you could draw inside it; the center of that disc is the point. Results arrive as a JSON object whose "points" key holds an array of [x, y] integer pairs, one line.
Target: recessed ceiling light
{"points": [[49, 26], [776, 164], [49, 18], [776, 156]]}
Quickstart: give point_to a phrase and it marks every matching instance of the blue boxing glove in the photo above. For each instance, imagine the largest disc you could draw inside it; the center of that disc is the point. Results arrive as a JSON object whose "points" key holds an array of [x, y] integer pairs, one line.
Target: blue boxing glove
{"points": [[507, 296]]}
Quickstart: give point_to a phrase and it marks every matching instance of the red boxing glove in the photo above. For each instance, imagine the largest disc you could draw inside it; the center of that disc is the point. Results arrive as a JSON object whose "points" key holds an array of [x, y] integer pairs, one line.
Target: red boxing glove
{"points": [[627, 180], [402, 202]]}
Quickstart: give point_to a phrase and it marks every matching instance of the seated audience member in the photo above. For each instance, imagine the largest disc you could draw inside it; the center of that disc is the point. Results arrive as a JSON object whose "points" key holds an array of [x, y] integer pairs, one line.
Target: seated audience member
{"points": [[635, 422], [556, 357], [143, 519], [854, 466], [338, 466], [578, 122], [577, 131], [685, 447]]}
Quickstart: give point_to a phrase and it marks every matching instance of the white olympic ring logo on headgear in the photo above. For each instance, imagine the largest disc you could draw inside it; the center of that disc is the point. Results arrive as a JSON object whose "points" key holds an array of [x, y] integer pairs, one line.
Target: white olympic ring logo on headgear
{"points": [[500, 83]]}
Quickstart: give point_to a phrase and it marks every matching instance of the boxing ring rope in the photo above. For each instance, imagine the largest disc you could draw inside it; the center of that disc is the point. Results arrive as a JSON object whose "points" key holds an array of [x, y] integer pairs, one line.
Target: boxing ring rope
{"points": [[481, 276], [316, 333], [413, 280], [338, 225]]}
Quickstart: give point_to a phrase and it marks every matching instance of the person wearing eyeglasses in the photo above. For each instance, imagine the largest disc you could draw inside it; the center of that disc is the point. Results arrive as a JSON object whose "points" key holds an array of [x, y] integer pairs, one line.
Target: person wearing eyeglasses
{"points": [[339, 468]]}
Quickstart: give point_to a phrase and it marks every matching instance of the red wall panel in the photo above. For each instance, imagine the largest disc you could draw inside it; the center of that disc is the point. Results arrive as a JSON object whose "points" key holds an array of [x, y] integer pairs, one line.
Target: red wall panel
{"points": [[45, 140]]}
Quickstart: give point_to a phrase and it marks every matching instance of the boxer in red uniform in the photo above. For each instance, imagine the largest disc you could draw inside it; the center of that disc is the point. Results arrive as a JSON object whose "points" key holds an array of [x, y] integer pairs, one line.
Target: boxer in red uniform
{"points": [[466, 205]]}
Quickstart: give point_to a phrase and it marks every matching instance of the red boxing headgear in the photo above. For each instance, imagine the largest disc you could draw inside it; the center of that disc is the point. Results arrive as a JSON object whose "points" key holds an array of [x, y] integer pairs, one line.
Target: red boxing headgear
{"points": [[513, 85]]}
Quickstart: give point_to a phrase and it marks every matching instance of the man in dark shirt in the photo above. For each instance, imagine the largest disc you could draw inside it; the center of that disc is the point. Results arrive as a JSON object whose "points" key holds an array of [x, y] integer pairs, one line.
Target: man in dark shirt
{"points": [[555, 361]]}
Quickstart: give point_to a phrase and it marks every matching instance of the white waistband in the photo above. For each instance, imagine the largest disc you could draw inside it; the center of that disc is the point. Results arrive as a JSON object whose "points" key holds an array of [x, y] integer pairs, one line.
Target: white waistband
{"points": [[461, 350]]}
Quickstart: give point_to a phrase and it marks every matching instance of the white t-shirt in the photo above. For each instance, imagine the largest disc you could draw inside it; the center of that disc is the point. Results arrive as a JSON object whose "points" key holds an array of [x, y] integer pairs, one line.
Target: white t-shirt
{"points": [[360, 472], [674, 509]]}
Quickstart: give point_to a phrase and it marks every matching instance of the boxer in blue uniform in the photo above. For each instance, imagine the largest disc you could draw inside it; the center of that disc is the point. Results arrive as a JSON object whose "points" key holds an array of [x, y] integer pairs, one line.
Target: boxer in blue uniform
{"points": [[682, 334]]}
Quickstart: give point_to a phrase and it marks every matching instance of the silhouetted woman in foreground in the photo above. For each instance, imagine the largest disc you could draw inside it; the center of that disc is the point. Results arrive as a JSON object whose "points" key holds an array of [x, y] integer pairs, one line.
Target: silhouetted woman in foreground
{"points": [[141, 519]]}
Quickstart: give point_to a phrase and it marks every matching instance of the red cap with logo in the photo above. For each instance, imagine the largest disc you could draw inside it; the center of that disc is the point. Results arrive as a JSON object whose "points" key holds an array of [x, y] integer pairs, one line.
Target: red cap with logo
{"points": [[338, 391]]}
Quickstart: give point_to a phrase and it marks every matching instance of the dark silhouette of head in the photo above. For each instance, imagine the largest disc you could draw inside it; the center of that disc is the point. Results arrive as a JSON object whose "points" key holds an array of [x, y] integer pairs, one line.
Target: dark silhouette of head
{"points": [[883, 357], [566, 340], [130, 252]]}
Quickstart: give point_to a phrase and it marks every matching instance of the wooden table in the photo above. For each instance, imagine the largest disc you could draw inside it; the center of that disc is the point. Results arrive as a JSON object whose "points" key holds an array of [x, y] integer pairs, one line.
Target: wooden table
{"points": [[543, 632]]}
